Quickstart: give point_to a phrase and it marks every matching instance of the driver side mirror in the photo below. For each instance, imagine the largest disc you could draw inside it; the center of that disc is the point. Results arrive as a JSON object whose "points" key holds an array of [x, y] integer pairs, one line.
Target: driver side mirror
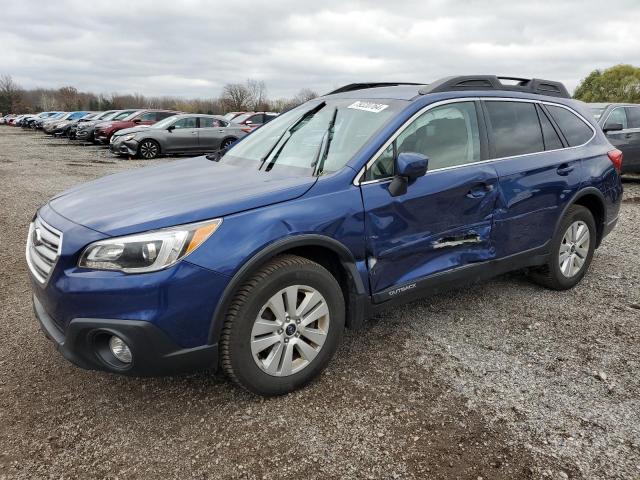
{"points": [[408, 167], [137, 120], [612, 127], [171, 128]]}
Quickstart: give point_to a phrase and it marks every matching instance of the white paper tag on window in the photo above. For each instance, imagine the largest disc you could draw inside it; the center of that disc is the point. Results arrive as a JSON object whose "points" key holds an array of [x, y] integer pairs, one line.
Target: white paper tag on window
{"points": [[368, 107]]}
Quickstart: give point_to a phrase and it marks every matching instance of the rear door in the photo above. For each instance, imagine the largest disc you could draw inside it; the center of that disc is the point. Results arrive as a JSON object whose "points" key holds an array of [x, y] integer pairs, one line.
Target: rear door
{"points": [[538, 175], [211, 133], [444, 220], [621, 139], [631, 160]]}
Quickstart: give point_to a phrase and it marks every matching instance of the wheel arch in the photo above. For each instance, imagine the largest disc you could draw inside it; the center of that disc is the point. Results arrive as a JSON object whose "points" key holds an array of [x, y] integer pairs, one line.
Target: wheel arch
{"points": [[326, 251], [592, 199]]}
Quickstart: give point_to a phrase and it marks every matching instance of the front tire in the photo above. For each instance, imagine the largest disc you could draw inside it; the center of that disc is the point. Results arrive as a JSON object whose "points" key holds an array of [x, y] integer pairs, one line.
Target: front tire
{"points": [[226, 143], [571, 252], [148, 149], [283, 326]]}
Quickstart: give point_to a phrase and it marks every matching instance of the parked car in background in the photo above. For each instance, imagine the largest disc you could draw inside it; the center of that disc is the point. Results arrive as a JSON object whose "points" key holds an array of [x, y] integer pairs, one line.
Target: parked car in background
{"points": [[104, 131], [186, 133], [96, 117], [49, 127], [63, 129], [621, 124], [363, 199], [39, 124], [4, 120], [41, 116], [231, 115], [12, 121], [85, 130], [252, 120]]}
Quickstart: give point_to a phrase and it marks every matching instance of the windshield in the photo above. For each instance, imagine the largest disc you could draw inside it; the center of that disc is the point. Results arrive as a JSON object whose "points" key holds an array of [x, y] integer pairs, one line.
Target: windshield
{"points": [[125, 115], [164, 123], [242, 118], [597, 111], [315, 138]]}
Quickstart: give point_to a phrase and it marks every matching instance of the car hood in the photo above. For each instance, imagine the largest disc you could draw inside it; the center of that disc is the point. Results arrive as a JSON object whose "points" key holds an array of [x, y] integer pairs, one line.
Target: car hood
{"points": [[135, 129], [179, 192]]}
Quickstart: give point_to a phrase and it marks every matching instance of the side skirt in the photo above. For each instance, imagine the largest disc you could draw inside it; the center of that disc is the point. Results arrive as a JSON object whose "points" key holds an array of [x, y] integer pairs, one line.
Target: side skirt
{"points": [[465, 275]]}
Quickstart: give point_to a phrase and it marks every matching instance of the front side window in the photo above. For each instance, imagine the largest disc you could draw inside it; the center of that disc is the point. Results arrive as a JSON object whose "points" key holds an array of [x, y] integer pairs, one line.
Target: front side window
{"points": [[188, 122], [617, 116], [515, 128], [574, 129], [448, 135]]}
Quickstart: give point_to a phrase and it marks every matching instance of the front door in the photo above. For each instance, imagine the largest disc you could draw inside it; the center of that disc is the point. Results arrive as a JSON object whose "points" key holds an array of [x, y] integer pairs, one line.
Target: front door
{"points": [[444, 220], [184, 136]]}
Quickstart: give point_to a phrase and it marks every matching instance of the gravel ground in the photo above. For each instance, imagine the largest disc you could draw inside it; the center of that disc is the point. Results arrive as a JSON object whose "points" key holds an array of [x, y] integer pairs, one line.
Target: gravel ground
{"points": [[504, 380]]}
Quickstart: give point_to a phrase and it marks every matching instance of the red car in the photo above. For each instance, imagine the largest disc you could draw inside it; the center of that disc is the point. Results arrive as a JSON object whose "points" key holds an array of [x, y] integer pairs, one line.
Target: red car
{"points": [[252, 120], [104, 131]]}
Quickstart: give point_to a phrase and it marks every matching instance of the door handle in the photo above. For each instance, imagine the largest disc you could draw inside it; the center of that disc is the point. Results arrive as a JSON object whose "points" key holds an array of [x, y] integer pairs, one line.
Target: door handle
{"points": [[480, 190], [194, 133], [564, 169], [628, 135], [220, 131]]}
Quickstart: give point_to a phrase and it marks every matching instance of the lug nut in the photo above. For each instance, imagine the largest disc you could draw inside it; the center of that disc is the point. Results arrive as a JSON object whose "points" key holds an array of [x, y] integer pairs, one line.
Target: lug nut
{"points": [[298, 321], [286, 340], [280, 331]]}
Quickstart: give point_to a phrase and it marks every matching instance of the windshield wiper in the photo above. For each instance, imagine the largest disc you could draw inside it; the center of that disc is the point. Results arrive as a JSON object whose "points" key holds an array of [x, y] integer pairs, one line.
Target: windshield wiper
{"points": [[323, 153], [290, 130]]}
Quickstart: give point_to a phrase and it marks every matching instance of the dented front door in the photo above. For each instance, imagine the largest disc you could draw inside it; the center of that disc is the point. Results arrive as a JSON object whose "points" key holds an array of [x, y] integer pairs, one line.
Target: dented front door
{"points": [[444, 221]]}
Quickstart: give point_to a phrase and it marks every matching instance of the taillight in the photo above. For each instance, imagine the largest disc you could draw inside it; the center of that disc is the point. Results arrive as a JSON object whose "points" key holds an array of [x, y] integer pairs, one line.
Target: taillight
{"points": [[616, 158]]}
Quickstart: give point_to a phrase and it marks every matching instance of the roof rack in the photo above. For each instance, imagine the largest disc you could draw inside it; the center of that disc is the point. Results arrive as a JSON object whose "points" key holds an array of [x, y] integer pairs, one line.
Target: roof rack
{"points": [[492, 82], [361, 86]]}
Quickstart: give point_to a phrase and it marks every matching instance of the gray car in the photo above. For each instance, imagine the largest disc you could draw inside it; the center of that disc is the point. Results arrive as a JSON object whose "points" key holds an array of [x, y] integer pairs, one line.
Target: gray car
{"points": [[186, 133], [621, 124]]}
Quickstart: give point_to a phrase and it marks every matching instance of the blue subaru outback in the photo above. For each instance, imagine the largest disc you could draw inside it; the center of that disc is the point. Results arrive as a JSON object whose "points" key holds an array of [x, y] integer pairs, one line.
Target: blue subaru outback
{"points": [[255, 259]]}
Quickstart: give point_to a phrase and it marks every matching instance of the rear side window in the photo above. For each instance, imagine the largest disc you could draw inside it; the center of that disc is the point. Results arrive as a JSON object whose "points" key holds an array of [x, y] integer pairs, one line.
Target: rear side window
{"points": [[574, 129], [551, 139], [515, 128], [148, 117], [633, 116]]}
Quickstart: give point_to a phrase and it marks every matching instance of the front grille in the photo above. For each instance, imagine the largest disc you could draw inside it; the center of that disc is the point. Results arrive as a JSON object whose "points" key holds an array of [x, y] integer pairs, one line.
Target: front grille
{"points": [[43, 249]]}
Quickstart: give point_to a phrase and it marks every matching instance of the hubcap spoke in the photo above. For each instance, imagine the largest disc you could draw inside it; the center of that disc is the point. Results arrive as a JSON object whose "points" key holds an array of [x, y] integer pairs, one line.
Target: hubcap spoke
{"points": [[287, 360], [315, 335], [319, 311], [306, 350], [261, 344], [291, 295], [272, 362], [262, 327]]}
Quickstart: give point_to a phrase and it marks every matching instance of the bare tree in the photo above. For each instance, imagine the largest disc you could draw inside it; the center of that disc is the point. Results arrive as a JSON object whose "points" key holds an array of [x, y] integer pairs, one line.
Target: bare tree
{"points": [[10, 94], [258, 95], [236, 97], [304, 95], [68, 98]]}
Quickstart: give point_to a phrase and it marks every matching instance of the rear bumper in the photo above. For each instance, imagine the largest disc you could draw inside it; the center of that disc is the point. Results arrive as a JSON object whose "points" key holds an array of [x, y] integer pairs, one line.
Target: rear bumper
{"points": [[84, 343]]}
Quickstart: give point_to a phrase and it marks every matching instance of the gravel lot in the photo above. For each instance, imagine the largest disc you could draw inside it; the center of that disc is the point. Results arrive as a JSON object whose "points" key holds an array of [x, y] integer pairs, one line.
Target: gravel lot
{"points": [[504, 380]]}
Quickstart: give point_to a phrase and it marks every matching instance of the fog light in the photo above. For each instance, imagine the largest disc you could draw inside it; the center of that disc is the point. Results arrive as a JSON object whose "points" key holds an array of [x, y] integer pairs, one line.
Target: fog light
{"points": [[120, 349]]}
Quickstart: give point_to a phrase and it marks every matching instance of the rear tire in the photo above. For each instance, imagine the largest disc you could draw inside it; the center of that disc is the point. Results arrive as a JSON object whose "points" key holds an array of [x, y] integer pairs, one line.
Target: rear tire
{"points": [[283, 326], [571, 251]]}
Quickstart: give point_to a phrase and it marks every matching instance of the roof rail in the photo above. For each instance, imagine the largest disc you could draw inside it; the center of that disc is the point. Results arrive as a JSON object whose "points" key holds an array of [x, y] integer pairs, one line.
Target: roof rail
{"points": [[492, 82], [361, 86]]}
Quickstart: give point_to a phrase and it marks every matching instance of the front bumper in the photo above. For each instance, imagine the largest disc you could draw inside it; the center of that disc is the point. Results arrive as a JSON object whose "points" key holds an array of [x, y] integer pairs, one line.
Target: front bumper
{"points": [[121, 147], [84, 343]]}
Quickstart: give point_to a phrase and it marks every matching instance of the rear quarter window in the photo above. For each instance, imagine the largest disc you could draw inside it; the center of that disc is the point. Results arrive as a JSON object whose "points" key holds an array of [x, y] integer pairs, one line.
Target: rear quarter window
{"points": [[575, 130]]}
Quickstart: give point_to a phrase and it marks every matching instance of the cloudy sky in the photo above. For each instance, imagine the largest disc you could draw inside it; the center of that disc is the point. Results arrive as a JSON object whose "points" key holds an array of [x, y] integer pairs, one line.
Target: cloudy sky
{"points": [[192, 48]]}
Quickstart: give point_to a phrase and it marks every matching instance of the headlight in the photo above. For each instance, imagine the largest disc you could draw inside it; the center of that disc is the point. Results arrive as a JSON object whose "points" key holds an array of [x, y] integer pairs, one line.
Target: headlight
{"points": [[129, 137], [147, 252]]}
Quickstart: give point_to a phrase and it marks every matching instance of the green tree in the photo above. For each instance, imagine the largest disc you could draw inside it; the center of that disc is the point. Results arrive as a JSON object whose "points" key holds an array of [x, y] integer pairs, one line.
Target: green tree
{"points": [[620, 83]]}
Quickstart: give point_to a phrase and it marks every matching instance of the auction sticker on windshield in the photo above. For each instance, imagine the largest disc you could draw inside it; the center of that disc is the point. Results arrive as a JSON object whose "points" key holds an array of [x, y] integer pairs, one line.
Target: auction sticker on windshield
{"points": [[368, 107]]}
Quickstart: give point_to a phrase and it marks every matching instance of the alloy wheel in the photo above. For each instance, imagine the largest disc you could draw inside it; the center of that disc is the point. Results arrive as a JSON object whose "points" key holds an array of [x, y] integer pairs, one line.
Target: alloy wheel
{"points": [[574, 248], [290, 330], [149, 150]]}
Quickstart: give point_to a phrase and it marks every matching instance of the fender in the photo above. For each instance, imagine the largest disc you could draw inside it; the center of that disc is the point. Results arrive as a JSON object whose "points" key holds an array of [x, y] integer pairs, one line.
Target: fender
{"points": [[346, 259], [578, 195]]}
